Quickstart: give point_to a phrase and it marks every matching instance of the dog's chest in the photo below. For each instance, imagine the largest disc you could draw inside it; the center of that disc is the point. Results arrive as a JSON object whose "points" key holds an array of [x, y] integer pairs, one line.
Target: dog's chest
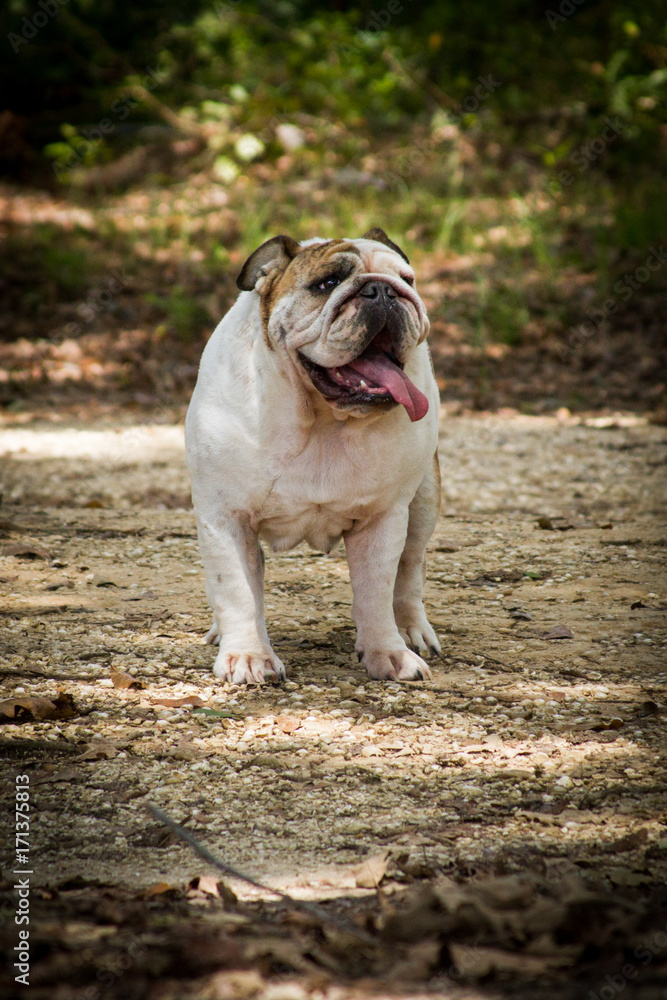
{"points": [[316, 494]]}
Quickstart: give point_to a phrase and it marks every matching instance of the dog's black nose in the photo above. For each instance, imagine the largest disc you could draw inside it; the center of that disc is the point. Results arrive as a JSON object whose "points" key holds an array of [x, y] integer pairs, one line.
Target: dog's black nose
{"points": [[378, 290]]}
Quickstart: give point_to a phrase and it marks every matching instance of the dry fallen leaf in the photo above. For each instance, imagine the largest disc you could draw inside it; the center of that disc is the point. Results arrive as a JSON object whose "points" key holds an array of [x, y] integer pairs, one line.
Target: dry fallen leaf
{"points": [[124, 681], [22, 550], [187, 751], [211, 885], [206, 883], [100, 750], [600, 725], [28, 709], [51, 775], [630, 842], [372, 870], [558, 632], [287, 724]]}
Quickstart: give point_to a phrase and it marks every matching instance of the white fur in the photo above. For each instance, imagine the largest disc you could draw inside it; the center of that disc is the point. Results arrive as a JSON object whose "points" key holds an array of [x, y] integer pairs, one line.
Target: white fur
{"points": [[270, 458]]}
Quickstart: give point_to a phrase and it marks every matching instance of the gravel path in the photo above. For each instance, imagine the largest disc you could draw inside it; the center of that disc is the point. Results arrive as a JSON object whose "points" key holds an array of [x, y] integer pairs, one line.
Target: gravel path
{"points": [[538, 747]]}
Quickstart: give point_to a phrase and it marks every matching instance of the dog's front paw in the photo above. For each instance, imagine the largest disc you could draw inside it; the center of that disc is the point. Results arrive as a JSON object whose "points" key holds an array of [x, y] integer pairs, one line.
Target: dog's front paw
{"points": [[395, 665], [248, 668], [416, 632]]}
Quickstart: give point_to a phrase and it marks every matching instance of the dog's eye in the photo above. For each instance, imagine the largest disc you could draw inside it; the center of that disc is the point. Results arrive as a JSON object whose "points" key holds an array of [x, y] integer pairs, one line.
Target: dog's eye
{"points": [[327, 283]]}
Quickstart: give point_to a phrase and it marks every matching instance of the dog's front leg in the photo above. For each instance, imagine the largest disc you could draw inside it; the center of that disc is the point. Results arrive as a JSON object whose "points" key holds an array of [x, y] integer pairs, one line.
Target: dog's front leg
{"points": [[373, 552], [234, 565]]}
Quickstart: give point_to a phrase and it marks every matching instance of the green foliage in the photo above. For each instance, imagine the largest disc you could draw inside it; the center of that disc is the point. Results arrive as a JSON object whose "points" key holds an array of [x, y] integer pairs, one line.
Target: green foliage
{"points": [[74, 152], [183, 312], [41, 261], [250, 62]]}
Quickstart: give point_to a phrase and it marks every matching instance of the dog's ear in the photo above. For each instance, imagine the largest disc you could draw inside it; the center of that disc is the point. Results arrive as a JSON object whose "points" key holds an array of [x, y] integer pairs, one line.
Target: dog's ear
{"points": [[381, 237], [275, 253]]}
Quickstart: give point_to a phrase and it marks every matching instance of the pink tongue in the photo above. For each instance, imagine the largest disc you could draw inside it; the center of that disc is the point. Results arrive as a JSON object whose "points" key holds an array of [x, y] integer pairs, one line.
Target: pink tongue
{"points": [[383, 372]]}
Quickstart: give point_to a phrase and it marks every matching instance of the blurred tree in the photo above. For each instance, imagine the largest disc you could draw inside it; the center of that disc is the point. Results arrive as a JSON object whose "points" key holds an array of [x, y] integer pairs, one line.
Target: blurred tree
{"points": [[375, 64]]}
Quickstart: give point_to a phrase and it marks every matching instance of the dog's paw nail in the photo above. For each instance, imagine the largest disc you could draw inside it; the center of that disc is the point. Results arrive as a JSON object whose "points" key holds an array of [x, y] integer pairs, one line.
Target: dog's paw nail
{"points": [[434, 651], [419, 676]]}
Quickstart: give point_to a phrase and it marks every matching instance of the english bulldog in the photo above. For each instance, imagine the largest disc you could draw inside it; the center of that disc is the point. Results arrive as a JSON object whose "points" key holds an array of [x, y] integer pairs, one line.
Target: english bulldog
{"points": [[315, 417]]}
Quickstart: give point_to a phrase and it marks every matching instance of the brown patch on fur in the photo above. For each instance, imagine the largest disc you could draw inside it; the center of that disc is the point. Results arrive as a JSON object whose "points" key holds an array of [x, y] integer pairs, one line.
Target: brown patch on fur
{"points": [[302, 269]]}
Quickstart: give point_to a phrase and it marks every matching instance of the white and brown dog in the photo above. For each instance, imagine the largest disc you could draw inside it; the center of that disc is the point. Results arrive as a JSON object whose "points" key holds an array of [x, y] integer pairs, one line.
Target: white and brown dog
{"points": [[315, 417]]}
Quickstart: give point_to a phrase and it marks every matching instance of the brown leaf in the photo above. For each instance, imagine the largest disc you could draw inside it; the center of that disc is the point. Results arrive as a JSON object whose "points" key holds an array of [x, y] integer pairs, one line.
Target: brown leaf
{"points": [[287, 723], [628, 843], [211, 885], [124, 681], [28, 709], [51, 775], [554, 524], [186, 751], [100, 750], [207, 883], [372, 870], [558, 632], [602, 725], [60, 585], [22, 550], [190, 699], [10, 578], [648, 708]]}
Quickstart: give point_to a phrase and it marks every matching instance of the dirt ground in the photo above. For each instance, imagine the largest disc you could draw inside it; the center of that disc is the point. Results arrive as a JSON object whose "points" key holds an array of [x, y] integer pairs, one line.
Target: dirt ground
{"points": [[499, 831]]}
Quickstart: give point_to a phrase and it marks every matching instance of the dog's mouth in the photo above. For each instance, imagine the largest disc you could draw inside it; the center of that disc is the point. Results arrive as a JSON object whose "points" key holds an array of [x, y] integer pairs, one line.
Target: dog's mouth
{"points": [[375, 378]]}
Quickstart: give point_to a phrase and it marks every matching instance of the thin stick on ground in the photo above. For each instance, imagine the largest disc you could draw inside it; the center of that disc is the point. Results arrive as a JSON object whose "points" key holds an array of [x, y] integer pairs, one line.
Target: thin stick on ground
{"points": [[337, 920]]}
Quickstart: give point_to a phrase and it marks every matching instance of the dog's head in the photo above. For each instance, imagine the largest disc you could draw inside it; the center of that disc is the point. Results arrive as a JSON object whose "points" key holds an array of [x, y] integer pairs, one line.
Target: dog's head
{"points": [[347, 312]]}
